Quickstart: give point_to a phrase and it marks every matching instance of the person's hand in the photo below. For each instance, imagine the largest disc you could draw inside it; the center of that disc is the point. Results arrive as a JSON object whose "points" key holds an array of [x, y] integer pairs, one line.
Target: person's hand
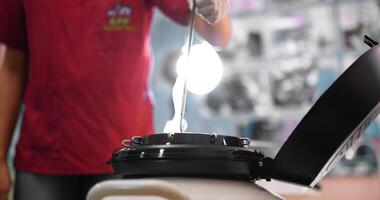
{"points": [[212, 10], [5, 180]]}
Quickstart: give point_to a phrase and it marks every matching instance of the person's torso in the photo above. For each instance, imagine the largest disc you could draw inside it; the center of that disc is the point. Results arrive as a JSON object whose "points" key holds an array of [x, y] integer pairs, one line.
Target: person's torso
{"points": [[87, 85]]}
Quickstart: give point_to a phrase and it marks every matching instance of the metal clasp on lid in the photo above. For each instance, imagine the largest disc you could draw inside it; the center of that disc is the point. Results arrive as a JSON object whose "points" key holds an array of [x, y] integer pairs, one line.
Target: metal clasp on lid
{"points": [[245, 141], [137, 140], [213, 138], [126, 143]]}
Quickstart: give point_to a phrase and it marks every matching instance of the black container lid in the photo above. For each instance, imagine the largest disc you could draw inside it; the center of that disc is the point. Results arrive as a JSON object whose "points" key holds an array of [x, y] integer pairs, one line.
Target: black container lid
{"points": [[333, 124], [189, 154]]}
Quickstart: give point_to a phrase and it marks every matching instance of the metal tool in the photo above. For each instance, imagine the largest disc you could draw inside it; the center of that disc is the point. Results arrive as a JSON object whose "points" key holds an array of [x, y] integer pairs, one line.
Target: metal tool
{"points": [[190, 43]]}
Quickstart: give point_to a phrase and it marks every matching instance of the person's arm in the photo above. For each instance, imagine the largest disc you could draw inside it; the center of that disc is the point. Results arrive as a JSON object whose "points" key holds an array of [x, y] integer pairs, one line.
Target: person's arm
{"points": [[218, 34], [212, 21], [12, 83]]}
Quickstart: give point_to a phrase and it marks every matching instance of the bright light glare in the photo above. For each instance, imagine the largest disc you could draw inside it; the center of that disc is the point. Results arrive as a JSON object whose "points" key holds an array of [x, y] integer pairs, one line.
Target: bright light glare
{"points": [[350, 154], [203, 70]]}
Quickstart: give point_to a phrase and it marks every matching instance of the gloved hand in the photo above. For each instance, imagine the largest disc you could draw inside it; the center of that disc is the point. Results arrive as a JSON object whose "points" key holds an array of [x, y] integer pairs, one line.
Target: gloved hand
{"points": [[211, 10]]}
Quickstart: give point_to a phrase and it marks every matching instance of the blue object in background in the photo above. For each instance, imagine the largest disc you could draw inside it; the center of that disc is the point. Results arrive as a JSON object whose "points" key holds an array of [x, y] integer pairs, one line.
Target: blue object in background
{"points": [[326, 79]]}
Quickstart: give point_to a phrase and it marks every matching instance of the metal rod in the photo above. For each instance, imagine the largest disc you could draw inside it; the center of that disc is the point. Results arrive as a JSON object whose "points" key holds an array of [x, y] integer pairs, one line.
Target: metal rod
{"points": [[190, 43], [191, 30]]}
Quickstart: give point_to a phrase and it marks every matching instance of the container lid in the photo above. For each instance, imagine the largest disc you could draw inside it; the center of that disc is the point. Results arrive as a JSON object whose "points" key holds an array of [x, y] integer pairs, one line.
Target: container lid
{"points": [[333, 124], [189, 154]]}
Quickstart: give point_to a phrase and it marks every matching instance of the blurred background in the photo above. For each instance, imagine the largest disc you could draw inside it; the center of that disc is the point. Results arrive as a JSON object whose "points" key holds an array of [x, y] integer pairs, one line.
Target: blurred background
{"points": [[283, 55]]}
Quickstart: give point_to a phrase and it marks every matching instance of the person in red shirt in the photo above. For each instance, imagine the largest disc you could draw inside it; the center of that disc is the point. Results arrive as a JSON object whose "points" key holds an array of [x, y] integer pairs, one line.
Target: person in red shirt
{"points": [[81, 68]]}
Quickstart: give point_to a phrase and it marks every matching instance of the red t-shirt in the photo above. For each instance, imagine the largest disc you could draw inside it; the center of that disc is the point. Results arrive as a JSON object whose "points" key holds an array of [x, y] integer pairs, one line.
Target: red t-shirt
{"points": [[87, 89]]}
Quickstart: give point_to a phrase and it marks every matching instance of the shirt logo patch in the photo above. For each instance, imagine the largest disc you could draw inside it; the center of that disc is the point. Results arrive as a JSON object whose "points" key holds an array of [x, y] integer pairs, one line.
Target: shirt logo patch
{"points": [[119, 18]]}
